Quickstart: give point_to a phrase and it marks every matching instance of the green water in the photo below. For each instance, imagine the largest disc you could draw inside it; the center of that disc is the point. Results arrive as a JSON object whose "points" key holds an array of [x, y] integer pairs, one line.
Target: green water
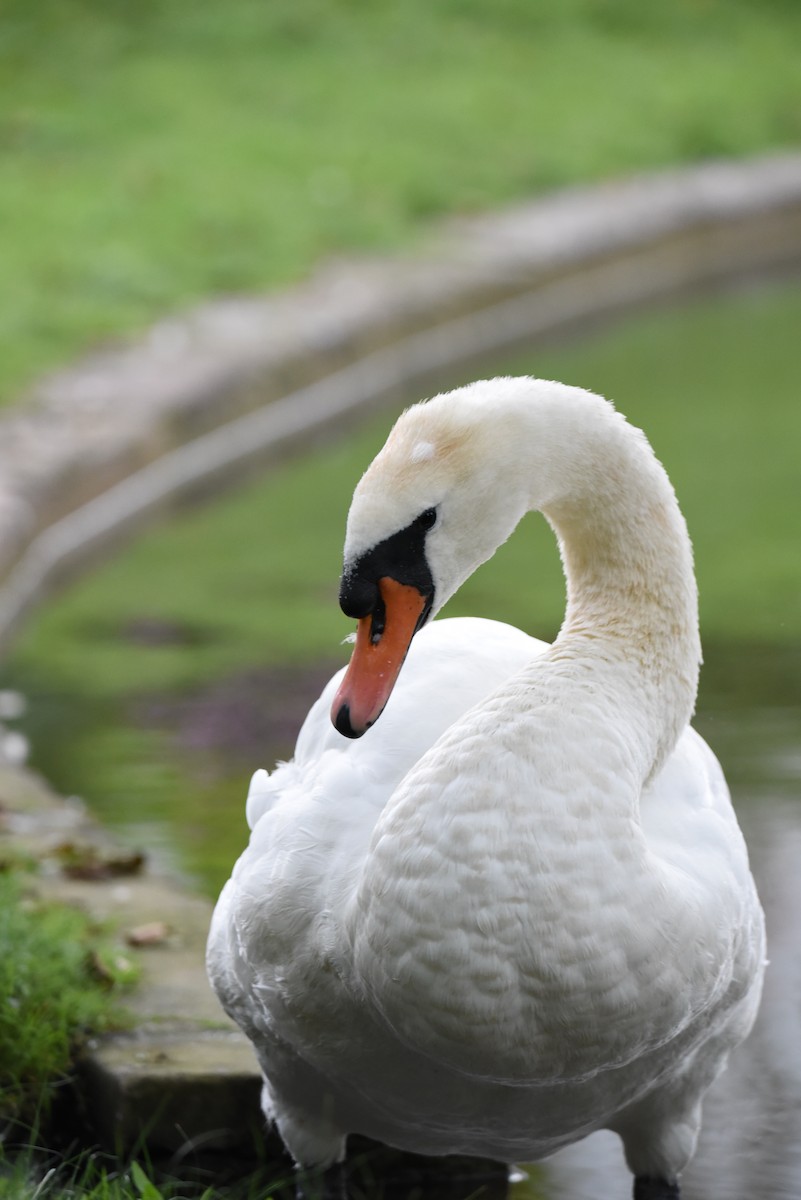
{"points": [[158, 684]]}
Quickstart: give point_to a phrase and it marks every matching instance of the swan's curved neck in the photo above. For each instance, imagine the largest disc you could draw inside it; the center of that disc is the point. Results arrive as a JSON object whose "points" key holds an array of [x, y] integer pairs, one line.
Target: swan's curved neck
{"points": [[480, 457], [631, 594]]}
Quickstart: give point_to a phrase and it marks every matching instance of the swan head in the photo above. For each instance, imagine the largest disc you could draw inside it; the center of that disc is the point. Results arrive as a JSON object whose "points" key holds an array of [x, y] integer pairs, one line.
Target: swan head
{"points": [[435, 503]]}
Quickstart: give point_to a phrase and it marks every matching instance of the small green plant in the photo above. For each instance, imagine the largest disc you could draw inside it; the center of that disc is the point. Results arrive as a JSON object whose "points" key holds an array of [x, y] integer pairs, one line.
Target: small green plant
{"points": [[57, 983], [89, 1174], [145, 1189]]}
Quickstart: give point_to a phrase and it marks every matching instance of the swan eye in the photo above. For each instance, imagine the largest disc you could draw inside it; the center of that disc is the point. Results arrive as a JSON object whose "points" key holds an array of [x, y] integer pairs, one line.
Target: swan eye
{"points": [[427, 519]]}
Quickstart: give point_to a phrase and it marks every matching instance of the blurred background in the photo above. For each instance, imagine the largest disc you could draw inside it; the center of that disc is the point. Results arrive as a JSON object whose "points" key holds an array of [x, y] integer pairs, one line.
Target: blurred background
{"points": [[155, 153]]}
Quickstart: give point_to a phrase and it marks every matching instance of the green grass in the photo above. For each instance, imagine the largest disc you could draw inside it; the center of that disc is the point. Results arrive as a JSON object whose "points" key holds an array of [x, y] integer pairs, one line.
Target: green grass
{"points": [[57, 984], [97, 1177], [158, 152], [36, 1174]]}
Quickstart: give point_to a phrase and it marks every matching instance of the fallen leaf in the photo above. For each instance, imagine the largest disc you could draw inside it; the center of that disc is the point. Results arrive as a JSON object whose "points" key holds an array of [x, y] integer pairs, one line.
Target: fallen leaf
{"points": [[150, 934], [91, 863]]}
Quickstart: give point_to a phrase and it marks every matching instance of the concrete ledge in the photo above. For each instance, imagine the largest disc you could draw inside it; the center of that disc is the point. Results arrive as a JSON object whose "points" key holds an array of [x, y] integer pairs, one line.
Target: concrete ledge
{"points": [[176, 1091], [103, 446], [184, 1077]]}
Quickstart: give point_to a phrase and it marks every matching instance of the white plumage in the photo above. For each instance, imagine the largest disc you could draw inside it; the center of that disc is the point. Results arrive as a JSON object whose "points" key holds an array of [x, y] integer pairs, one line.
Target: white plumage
{"points": [[519, 909]]}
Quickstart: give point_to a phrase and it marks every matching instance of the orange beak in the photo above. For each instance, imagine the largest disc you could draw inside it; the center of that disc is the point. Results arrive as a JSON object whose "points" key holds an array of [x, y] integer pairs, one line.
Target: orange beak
{"points": [[376, 662]]}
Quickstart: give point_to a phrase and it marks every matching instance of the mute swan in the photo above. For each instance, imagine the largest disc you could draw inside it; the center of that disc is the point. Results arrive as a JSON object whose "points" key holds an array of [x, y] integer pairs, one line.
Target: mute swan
{"points": [[520, 909]]}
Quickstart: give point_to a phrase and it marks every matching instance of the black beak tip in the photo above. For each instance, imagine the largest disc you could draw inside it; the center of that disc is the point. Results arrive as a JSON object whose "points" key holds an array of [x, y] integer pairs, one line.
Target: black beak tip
{"points": [[342, 724]]}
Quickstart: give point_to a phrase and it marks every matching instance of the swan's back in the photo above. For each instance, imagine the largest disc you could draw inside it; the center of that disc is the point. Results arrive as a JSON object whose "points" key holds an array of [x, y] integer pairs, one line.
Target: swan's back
{"points": [[452, 665]]}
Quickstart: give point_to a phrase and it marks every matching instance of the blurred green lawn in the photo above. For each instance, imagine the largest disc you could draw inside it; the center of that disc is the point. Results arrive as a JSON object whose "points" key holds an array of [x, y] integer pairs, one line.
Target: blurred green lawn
{"points": [[154, 153]]}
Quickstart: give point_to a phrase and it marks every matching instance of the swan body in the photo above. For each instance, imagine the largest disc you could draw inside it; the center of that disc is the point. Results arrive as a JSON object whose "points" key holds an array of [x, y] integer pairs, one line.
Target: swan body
{"points": [[519, 909]]}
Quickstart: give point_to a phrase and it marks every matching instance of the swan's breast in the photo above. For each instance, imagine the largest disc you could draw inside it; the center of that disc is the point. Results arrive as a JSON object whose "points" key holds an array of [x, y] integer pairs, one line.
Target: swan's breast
{"points": [[491, 919]]}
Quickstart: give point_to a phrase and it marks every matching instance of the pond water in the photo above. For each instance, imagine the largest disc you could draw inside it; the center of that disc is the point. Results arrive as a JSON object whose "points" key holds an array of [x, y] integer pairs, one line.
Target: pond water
{"points": [[155, 691]]}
